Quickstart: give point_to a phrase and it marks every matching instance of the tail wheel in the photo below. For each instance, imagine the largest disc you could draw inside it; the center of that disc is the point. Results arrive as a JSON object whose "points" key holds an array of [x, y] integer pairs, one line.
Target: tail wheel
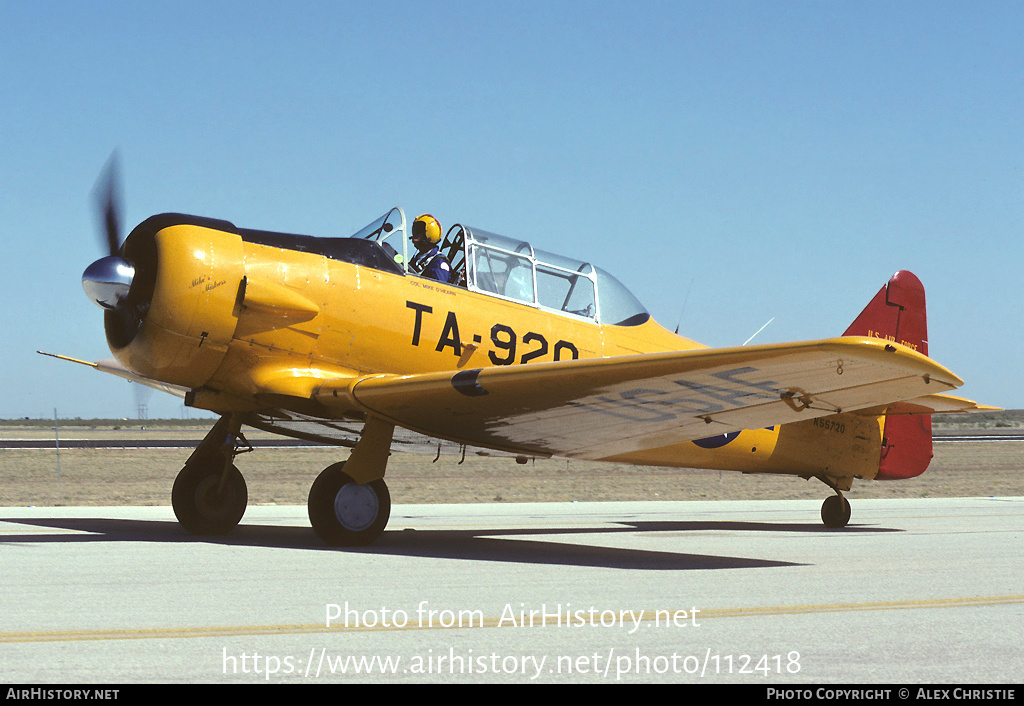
{"points": [[345, 513], [835, 511], [203, 503]]}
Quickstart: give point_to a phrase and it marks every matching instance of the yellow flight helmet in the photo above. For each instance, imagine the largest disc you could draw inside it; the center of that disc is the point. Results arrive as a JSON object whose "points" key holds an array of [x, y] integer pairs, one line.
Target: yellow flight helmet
{"points": [[427, 226]]}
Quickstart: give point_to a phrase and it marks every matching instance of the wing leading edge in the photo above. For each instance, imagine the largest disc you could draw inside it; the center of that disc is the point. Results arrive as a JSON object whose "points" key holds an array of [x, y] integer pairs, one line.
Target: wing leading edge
{"points": [[602, 407]]}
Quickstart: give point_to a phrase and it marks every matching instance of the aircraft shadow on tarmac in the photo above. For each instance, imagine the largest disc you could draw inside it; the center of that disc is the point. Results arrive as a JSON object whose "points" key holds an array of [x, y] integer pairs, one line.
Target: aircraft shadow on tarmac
{"points": [[504, 545]]}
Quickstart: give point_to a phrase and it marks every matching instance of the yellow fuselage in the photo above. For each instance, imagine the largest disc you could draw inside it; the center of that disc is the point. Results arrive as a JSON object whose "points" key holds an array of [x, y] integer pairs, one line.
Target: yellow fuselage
{"points": [[250, 326]]}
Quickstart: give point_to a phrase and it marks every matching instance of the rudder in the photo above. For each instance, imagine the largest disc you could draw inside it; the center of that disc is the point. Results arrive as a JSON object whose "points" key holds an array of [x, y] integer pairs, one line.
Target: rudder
{"points": [[897, 313]]}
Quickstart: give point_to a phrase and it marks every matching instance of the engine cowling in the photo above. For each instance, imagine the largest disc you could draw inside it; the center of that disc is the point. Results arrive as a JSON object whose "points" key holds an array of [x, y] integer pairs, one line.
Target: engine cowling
{"points": [[181, 311]]}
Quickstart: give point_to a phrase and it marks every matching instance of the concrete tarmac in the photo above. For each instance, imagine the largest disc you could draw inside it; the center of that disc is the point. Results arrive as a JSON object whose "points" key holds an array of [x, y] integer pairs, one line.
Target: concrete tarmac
{"points": [[921, 591]]}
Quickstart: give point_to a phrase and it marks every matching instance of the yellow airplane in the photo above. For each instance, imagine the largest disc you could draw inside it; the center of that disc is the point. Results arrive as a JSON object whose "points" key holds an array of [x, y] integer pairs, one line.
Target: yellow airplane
{"points": [[527, 354]]}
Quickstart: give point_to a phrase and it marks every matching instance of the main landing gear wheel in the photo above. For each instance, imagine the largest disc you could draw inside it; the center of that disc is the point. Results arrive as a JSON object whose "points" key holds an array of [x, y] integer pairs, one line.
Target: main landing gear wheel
{"points": [[345, 513], [835, 511], [202, 503]]}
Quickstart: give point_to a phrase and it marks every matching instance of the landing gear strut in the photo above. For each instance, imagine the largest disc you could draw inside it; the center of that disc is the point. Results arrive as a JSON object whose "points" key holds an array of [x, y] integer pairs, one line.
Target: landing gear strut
{"points": [[209, 495]]}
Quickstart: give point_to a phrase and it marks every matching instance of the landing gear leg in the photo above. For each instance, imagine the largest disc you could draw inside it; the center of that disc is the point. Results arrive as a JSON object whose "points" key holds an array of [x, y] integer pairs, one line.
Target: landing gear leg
{"points": [[349, 503], [209, 495]]}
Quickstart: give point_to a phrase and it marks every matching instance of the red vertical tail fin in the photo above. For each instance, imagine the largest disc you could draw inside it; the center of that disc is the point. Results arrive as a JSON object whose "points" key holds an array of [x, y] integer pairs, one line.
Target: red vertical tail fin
{"points": [[897, 313]]}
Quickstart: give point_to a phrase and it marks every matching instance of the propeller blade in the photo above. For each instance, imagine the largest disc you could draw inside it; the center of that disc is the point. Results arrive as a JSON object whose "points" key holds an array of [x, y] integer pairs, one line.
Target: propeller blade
{"points": [[107, 194]]}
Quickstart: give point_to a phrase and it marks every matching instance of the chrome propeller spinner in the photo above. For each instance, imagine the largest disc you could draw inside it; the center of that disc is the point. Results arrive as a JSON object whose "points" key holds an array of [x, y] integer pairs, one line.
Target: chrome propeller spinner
{"points": [[108, 281]]}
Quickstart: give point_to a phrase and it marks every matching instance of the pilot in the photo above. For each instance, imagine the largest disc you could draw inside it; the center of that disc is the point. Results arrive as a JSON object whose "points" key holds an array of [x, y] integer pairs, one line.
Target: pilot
{"points": [[429, 262]]}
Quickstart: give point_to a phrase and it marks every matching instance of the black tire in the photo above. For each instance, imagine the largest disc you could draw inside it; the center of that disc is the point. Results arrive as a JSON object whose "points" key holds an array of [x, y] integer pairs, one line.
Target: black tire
{"points": [[345, 513], [198, 505], [835, 511]]}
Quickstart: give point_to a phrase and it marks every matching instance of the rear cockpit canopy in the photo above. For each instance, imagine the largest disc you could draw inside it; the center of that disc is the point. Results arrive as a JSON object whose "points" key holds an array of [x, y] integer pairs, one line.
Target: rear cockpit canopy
{"points": [[512, 269]]}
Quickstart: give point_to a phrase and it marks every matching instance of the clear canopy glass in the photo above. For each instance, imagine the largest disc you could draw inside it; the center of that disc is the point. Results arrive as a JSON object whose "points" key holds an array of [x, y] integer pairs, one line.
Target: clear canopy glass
{"points": [[511, 269]]}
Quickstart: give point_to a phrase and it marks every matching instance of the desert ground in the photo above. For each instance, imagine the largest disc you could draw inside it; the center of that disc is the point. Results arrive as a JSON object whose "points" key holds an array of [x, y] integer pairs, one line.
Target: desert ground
{"points": [[283, 476]]}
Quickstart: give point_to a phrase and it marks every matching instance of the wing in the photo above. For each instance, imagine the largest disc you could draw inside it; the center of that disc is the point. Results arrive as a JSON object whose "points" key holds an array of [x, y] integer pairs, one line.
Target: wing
{"points": [[602, 407]]}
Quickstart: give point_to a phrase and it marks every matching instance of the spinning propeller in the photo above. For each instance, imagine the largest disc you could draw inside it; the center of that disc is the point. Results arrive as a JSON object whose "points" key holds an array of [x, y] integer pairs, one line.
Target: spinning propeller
{"points": [[108, 281]]}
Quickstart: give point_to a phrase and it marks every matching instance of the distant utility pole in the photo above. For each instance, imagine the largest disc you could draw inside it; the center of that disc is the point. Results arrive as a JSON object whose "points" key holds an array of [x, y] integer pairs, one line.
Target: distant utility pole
{"points": [[56, 436]]}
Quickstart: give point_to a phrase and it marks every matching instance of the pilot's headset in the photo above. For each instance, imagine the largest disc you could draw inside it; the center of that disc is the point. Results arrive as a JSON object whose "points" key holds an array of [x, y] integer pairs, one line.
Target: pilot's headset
{"points": [[427, 226]]}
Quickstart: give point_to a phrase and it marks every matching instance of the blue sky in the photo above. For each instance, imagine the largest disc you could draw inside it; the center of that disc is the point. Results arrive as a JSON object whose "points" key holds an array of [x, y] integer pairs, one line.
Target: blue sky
{"points": [[728, 161]]}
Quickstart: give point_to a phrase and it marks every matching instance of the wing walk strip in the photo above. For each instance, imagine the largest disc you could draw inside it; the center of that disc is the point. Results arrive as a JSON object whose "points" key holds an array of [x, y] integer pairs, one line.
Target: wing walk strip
{"points": [[648, 616]]}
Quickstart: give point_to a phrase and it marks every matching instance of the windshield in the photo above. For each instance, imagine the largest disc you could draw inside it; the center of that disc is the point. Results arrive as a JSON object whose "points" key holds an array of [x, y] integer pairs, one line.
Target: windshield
{"points": [[389, 232]]}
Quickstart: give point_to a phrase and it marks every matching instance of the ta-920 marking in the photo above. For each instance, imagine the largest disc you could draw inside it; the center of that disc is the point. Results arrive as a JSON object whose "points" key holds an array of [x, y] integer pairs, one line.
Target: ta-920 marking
{"points": [[506, 342]]}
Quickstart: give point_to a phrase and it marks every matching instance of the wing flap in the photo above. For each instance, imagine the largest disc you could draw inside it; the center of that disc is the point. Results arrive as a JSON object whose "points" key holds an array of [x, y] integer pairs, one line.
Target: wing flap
{"points": [[600, 407]]}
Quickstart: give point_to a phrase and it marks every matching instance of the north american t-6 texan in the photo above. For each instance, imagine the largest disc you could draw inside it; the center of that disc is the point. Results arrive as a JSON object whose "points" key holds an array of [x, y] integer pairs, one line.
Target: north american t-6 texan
{"points": [[522, 353]]}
